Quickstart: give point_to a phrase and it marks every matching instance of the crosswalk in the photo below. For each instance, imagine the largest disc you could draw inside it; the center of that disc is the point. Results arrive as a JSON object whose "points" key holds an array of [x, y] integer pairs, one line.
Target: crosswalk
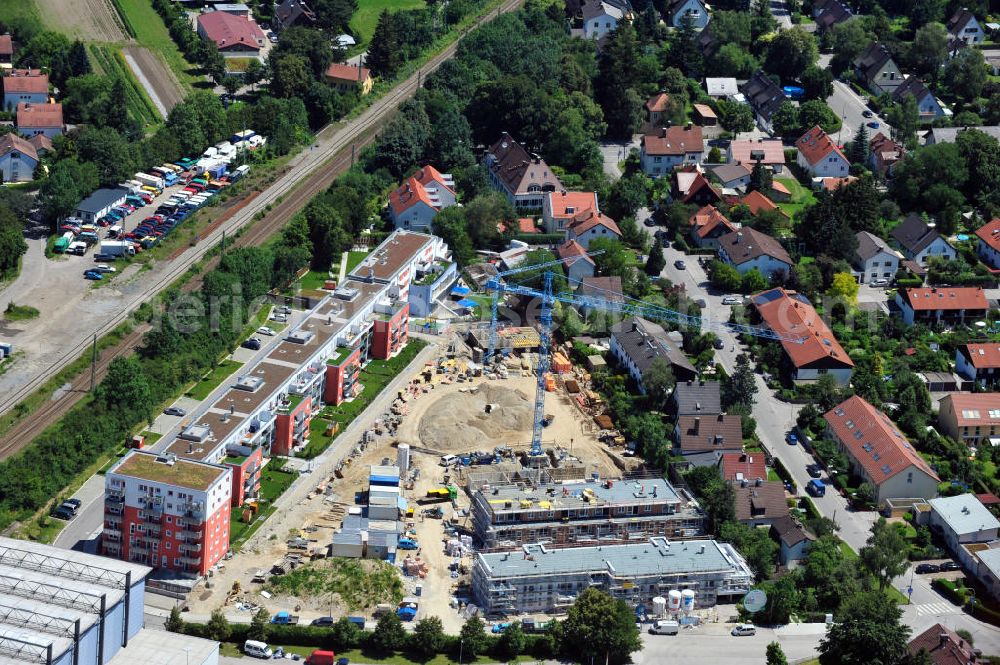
{"points": [[927, 609]]}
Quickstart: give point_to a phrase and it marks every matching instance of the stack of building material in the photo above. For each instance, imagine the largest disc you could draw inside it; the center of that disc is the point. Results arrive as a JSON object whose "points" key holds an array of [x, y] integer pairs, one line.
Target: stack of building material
{"points": [[561, 364], [414, 566]]}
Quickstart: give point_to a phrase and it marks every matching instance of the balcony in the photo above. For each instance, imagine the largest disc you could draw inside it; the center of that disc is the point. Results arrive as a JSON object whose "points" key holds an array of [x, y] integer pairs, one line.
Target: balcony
{"points": [[191, 548], [114, 508], [191, 560], [112, 535], [114, 495], [190, 536]]}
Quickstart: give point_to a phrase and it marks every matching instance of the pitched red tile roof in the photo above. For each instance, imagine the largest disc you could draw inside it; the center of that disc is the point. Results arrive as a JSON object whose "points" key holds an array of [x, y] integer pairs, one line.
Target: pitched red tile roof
{"points": [[780, 188], [873, 440], [658, 103], [570, 249], [527, 225], [704, 215], [10, 142], [414, 190], [816, 146], [704, 230], [674, 141], [790, 313], [6, 45], [943, 645], [742, 466], [771, 151], [588, 219], [989, 233], [39, 116], [930, 298], [988, 499], [833, 184], [704, 110], [228, 30], [566, 205], [41, 142], [982, 356], [25, 81], [758, 203], [972, 409], [699, 183], [347, 73]]}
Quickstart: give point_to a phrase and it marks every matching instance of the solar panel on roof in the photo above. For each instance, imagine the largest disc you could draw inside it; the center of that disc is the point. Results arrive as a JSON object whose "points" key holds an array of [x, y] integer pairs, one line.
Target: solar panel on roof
{"points": [[768, 296]]}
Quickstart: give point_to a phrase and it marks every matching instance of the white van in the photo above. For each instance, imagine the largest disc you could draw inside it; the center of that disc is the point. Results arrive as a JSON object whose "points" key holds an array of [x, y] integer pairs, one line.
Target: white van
{"points": [[665, 628], [744, 629], [256, 649], [448, 460]]}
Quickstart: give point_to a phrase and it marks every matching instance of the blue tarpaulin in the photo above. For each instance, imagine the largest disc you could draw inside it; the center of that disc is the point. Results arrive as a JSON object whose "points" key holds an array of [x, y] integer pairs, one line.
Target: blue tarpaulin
{"points": [[406, 613], [467, 303], [460, 291]]}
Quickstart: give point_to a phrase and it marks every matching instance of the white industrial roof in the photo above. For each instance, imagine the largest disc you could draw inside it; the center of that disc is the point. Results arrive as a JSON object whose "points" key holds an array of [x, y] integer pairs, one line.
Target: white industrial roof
{"points": [[964, 514], [157, 647]]}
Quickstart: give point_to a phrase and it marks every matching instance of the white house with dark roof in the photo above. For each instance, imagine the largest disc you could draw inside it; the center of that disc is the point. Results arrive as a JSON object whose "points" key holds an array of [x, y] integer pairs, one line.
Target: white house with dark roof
{"points": [[523, 177], [964, 27], [636, 343], [601, 17], [877, 70], [874, 259], [765, 97], [18, 159], [928, 106], [748, 248], [695, 10], [919, 241]]}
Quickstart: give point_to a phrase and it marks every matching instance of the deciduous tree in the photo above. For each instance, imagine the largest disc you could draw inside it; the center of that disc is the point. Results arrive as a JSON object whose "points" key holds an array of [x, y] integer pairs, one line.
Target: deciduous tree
{"points": [[599, 625], [884, 556]]}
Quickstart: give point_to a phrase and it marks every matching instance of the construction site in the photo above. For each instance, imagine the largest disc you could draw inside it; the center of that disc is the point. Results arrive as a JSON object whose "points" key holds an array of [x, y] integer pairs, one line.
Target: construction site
{"points": [[405, 494]]}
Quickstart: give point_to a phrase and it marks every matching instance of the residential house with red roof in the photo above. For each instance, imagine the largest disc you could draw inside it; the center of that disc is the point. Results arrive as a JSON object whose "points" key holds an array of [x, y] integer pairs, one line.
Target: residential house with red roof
{"points": [[884, 154], [758, 203], [988, 243], [944, 304], [24, 85], [820, 156], [414, 204], [32, 119], [702, 440], [943, 646], [813, 350], [708, 225], [879, 453], [18, 159], [6, 51], [236, 36], [560, 209], [737, 467], [971, 417], [979, 362], [576, 263], [691, 186], [521, 176], [657, 109], [592, 224], [670, 147], [350, 77], [747, 249], [769, 152]]}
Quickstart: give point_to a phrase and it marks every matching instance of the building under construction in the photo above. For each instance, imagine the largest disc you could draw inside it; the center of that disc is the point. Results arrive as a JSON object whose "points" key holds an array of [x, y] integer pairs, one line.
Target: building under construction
{"points": [[512, 338], [543, 578], [510, 512]]}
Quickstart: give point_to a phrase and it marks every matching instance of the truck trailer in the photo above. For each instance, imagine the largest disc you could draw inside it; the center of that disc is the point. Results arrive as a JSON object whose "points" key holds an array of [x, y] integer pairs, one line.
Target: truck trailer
{"points": [[117, 248]]}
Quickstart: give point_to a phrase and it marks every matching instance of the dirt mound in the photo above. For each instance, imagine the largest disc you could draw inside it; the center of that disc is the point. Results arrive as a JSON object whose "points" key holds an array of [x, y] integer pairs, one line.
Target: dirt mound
{"points": [[459, 422]]}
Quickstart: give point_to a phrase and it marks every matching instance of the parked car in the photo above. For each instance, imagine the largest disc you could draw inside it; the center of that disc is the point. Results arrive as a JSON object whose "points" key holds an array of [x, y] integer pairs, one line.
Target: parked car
{"points": [[63, 513], [814, 471], [792, 438], [732, 300], [174, 411], [284, 309], [744, 629], [105, 268], [873, 125], [253, 343], [323, 622], [718, 344], [950, 566], [816, 488], [279, 318], [649, 221], [680, 265], [76, 503], [92, 275], [665, 628], [866, 113], [264, 330], [101, 256], [879, 282], [924, 568]]}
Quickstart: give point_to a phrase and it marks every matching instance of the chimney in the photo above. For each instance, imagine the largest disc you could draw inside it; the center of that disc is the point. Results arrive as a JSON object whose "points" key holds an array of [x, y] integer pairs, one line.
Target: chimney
{"points": [[687, 126], [739, 237], [663, 132], [758, 482], [943, 639], [697, 424]]}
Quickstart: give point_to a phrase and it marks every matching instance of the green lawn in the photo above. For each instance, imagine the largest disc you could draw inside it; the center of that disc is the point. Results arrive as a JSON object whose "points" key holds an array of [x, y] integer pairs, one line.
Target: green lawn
{"points": [[375, 376], [274, 480], [152, 33], [801, 197], [354, 258], [313, 280], [19, 10], [364, 20], [213, 379]]}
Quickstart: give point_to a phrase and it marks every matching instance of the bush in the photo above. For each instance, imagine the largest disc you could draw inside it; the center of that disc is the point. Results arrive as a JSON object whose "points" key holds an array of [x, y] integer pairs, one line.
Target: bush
{"points": [[779, 468]]}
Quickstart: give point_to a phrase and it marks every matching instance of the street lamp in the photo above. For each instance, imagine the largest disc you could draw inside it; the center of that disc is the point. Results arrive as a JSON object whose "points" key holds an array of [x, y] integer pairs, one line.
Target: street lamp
{"points": [[461, 647]]}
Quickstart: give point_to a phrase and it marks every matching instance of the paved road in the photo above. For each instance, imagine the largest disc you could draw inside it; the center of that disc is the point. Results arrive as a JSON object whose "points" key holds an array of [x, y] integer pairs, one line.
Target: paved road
{"points": [[712, 644], [850, 107], [774, 419]]}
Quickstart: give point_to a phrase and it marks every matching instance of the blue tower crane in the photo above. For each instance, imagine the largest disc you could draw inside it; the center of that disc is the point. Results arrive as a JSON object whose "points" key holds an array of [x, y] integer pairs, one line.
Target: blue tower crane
{"points": [[634, 308]]}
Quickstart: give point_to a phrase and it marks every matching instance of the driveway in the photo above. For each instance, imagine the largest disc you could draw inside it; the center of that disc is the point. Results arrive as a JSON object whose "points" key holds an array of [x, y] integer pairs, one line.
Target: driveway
{"points": [[615, 152]]}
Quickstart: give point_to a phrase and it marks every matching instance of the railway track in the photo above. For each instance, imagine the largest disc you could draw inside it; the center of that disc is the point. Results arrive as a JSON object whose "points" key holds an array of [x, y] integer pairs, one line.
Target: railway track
{"points": [[314, 172]]}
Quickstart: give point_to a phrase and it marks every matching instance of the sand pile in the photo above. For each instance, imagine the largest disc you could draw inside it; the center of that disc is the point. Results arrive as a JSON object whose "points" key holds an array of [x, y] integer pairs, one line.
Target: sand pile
{"points": [[459, 422]]}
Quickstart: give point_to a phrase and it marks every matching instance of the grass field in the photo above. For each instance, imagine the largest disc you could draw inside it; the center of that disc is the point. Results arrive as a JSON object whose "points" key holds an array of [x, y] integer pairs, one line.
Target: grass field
{"points": [[108, 59], [801, 197], [19, 10], [354, 258], [364, 20], [150, 32], [213, 379]]}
